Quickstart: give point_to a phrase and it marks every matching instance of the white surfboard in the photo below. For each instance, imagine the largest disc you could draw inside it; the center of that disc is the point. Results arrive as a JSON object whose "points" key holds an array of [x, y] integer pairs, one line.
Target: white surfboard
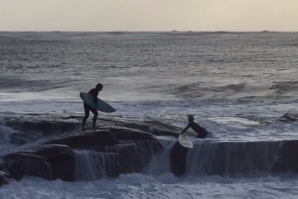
{"points": [[184, 141]]}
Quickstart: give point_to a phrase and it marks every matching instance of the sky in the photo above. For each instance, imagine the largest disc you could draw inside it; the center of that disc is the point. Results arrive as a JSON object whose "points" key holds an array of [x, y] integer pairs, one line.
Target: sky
{"points": [[148, 15]]}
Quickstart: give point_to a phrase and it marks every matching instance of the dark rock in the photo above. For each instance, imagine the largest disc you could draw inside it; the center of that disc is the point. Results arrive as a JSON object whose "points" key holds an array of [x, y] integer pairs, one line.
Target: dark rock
{"points": [[119, 147], [151, 126], [130, 159], [130, 134], [232, 158], [50, 161], [133, 157], [58, 161], [178, 159], [88, 140], [164, 133], [43, 126], [18, 139], [3, 178], [93, 165], [38, 125], [289, 117], [288, 157]]}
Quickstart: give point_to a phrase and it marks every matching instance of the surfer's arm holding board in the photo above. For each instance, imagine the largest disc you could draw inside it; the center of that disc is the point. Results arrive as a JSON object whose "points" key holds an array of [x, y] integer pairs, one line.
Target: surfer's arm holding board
{"points": [[94, 93], [184, 130], [95, 100]]}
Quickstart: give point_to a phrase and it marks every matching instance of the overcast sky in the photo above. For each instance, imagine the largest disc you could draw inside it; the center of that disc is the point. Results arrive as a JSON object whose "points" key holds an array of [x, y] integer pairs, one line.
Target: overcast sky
{"points": [[148, 15]]}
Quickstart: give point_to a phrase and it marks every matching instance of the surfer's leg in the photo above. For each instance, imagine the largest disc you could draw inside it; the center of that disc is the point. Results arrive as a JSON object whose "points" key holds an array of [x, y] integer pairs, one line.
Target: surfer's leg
{"points": [[95, 113], [86, 109], [202, 133]]}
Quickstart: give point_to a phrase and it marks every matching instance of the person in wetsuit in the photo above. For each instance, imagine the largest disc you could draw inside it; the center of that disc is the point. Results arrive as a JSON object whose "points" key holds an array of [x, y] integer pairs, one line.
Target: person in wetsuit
{"points": [[94, 92], [201, 131]]}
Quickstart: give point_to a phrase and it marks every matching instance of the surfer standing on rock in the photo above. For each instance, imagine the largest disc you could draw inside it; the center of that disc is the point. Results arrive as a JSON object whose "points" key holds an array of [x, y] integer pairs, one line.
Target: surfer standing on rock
{"points": [[201, 131], [94, 92]]}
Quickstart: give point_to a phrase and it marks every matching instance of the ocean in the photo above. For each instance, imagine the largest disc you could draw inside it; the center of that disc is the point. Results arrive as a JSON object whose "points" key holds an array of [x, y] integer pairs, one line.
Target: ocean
{"points": [[236, 84]]}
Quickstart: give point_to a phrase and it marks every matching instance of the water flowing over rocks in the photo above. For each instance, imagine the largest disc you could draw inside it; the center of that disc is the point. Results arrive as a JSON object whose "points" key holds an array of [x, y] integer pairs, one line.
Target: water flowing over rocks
{"points": [[62, 151], [3, 178], [54, 147], [232, 158], [49, 161]]}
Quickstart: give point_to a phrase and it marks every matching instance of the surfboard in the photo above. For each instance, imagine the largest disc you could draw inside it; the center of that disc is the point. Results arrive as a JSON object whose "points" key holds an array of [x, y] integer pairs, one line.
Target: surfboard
{"points": [[184, 141], [101, 105]]}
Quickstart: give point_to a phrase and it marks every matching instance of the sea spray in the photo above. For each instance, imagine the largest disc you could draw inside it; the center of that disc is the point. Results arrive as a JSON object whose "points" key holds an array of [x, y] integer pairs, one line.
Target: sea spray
{"points": [[5, 133], [160, 162]]}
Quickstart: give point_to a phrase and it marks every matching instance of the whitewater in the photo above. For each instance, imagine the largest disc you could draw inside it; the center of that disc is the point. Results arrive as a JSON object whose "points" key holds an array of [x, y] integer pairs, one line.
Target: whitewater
{"points": [[237, 85]]}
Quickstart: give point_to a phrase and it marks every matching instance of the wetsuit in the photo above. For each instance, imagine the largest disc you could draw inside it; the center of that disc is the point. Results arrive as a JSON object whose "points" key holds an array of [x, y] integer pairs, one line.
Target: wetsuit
{"points": [[88, 108], [201, 131]]}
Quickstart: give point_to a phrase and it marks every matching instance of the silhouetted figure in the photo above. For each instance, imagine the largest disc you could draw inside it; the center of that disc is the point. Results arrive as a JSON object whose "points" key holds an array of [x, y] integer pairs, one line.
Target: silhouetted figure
{"points": [[94, 92], [201, 131]]}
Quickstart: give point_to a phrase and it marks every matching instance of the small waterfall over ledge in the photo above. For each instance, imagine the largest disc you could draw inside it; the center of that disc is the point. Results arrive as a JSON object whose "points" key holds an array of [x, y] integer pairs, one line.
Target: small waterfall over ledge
{"points": [[232, 158]]}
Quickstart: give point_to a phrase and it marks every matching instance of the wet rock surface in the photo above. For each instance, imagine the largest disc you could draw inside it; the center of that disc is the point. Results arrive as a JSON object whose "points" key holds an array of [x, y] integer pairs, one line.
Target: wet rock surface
{"points": [[234, 158], [289, 117], [4, 178], [48, 161], [61, 147], [35, 126], [121, 146], [178, 159]]}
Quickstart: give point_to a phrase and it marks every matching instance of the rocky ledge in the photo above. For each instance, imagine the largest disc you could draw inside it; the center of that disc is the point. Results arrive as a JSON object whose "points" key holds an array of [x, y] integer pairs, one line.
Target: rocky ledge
{"points": [[289, 117], [234, 158], [55, 147]]}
